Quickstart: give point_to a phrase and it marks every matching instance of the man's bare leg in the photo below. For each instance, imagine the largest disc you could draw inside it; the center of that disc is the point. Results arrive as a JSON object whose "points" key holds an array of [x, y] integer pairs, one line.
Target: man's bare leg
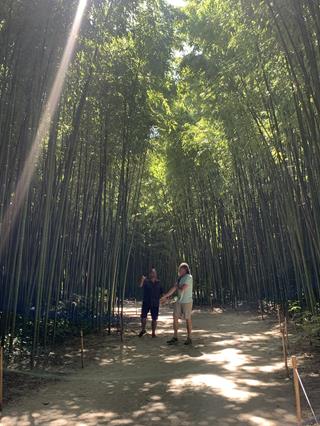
{"points": [[175, 331], [189, 330], [143, 327], [154, 327]]}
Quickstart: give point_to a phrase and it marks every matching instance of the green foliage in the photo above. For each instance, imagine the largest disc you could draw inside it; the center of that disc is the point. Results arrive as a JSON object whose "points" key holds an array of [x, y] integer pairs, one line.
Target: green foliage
{"points": [[181, 134], [307, 322], [234, 122], [76, 229]]}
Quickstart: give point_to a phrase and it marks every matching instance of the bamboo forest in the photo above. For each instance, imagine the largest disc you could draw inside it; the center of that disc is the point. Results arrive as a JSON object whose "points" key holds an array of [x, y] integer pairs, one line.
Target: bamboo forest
{"points": [[139, 134]]}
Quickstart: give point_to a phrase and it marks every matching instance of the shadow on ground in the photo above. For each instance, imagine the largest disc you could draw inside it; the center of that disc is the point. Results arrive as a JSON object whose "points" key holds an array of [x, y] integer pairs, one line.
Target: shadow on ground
{"points": [[233, 375]]}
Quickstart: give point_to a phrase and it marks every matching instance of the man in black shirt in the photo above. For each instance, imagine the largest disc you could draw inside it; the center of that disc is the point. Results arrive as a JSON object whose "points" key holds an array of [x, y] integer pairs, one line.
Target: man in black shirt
{"points": [[152, 292]]}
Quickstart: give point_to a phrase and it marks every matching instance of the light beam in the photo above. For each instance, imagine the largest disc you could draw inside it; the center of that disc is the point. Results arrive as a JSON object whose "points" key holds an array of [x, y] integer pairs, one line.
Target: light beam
{"points": [[51, 105]]}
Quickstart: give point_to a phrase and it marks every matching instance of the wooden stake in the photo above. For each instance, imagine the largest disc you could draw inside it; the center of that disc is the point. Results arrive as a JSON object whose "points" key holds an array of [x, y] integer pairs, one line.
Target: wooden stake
{"points": [[296, 389], [285, 351], [1, 378], [82, 348]]}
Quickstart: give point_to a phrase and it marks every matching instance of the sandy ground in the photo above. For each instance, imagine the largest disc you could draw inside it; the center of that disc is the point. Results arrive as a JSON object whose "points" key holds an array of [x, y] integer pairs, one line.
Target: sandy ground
{"points": [[233, 375]]}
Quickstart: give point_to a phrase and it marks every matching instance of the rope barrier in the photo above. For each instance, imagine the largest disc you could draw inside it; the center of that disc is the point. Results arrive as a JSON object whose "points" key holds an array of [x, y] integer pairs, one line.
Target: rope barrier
{"points": [[306, 396], [296, 376]]}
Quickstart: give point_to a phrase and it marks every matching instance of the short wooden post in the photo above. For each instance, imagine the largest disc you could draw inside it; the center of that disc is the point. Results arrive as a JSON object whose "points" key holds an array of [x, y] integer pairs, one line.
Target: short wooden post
{"points": [[1, 378], [135, 302], [296, 389], [285, 351], [82, 348]]}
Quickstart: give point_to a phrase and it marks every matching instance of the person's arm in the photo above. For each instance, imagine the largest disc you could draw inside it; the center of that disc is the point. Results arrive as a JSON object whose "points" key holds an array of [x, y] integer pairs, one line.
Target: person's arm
{"points": [[143, 278], [169, 293], [161, 291]]}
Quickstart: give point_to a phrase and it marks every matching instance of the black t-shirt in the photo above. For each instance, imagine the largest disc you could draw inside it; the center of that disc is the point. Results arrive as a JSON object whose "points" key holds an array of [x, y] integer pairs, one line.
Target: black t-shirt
{"points": [[152, 291]]}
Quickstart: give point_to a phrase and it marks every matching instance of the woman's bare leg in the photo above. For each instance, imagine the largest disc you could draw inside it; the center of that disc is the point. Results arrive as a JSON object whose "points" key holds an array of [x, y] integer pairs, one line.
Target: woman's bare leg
{"points": [[154, 327]]}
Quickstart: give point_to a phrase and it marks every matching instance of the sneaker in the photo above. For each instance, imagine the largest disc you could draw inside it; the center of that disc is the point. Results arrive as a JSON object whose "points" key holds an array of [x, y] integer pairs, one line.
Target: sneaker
{"points": [[172, 341], [154, 335], [142, 332], [188, 341]]}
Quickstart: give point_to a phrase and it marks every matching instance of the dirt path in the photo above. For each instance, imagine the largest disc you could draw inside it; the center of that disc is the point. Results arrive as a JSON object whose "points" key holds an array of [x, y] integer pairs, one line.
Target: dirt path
{"points": [[231, 376]]}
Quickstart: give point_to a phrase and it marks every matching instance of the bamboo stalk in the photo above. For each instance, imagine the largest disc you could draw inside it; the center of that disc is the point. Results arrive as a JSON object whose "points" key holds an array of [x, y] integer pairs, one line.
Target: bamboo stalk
{"points": [[261, 309], [286, 331], [249, 240], [82, 348], [279, 316], [1, 378], [296, 389]]}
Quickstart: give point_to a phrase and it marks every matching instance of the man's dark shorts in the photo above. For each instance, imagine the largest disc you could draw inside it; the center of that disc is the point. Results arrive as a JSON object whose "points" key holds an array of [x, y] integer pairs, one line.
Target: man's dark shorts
{"points": [[153, 309]]}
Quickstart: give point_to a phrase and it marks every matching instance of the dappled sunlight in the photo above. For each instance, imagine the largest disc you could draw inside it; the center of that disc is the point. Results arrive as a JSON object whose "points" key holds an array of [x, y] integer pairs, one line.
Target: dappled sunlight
{"points": [[13, 420], [255, 337], [143, 381], [225, 342], [60, 419], [257, 420], [177, 359], [256, 383], [230, 358], [214, 383], [268, 368], [263, 418], [154, 407], [231, 338]]}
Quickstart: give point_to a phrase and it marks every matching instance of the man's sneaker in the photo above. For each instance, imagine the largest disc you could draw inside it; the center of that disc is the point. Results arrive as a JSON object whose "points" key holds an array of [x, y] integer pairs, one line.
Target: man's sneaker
{"points": [[142, 332], [188, 341], [172, 341]]}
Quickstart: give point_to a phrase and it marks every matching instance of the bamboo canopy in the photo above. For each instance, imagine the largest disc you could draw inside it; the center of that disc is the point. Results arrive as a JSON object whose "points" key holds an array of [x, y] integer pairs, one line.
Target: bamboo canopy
{"points": [[186, 134]]}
